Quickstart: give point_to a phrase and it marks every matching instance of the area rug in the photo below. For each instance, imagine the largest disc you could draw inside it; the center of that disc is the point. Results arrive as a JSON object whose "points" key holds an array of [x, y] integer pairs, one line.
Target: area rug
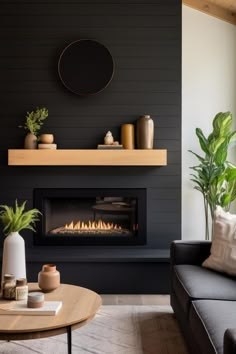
{"points": [[114, 330]]}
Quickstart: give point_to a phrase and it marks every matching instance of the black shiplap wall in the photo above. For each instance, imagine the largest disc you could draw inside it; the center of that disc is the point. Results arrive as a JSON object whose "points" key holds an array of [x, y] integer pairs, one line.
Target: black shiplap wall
{"points": [[144, 38]]}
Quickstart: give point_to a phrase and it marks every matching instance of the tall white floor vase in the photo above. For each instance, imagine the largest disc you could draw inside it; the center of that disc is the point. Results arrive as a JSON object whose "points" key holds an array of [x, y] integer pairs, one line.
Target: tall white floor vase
{"points": [[13, 260]]}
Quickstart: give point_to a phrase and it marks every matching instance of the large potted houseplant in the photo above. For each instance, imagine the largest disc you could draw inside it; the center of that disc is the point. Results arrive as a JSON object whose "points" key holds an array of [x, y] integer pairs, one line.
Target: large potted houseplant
{"points": [[215, 176], [33, 123], [14, 220]]}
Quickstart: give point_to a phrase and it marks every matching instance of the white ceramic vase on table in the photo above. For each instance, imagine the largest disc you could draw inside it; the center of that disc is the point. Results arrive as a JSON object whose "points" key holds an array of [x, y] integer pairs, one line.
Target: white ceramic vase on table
{"points": [[13, 258]]}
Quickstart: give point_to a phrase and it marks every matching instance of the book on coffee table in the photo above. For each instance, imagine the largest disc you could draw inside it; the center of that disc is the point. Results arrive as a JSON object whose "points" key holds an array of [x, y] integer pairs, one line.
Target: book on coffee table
{"points": [[49, 308]]}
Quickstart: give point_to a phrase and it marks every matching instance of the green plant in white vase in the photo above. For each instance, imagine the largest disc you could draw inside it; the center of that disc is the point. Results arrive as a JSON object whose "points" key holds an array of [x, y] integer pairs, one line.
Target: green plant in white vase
{"points": [[33, 123], [14, 220], [215, 176]]}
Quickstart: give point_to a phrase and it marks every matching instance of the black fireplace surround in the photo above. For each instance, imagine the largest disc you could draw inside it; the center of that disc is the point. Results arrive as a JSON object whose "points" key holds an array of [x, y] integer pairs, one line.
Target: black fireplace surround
{"points": [[75, 216]]}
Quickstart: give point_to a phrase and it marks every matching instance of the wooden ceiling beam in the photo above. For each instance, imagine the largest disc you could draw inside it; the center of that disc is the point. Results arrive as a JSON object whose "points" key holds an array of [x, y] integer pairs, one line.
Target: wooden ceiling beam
{"points": [[212, 10]]}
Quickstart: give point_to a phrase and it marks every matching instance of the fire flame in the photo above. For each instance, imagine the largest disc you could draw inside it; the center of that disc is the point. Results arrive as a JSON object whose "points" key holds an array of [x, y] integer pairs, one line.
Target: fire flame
{"points": [[92, 225]]}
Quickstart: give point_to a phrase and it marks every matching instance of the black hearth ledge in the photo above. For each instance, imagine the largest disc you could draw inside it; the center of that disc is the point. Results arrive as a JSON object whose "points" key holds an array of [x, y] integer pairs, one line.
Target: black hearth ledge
{"points": [[79, 254], [106, 270]]}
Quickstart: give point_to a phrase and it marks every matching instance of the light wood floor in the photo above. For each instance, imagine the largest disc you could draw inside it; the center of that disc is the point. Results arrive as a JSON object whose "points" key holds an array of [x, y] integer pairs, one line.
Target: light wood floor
{"points": [[135, 299]]}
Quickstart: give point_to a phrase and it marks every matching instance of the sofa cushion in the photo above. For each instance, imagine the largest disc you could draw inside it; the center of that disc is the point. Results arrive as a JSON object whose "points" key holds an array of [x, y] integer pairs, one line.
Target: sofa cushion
{"points": [[209, 320], [223, 248], [191, 282]]}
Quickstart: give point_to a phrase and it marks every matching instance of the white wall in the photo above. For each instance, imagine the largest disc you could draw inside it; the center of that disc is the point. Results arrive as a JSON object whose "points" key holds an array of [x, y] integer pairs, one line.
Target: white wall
{"points": [[208, 87]]}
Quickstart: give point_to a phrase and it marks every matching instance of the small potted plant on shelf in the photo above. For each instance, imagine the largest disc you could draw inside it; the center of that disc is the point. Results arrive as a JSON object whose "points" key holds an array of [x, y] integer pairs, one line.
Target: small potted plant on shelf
{"points": [[33, 123], [14, 220]]}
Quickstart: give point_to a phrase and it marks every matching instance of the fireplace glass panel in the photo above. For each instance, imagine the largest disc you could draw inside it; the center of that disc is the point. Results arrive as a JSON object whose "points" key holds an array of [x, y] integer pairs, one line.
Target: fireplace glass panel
{"points": [[91, 216]]}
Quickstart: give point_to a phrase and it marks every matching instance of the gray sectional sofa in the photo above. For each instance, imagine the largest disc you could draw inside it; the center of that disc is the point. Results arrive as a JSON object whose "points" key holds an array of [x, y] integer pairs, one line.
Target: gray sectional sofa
{"points": [[204, 301]]}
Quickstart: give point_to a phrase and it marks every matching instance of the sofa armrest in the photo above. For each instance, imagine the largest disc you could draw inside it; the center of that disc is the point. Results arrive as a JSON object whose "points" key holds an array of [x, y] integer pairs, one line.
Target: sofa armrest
{"points": [[230, 341], [189, 252]]}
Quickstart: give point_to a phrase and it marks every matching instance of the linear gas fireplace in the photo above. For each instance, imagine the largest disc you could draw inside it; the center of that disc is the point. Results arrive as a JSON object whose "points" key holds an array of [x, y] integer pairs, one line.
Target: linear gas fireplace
{"points": [[91, 216]]}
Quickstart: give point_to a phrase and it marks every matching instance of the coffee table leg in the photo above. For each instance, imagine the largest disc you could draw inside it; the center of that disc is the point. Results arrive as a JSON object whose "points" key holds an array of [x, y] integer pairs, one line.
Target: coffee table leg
{"points": [[69, 340]]}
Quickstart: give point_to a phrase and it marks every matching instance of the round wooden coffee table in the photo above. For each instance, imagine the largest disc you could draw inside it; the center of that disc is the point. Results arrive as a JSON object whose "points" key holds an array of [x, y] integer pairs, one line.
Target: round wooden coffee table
{"points": [[79, 307]]}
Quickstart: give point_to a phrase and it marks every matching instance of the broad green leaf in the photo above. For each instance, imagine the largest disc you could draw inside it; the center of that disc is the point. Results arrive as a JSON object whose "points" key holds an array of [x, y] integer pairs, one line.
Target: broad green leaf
{"points": [[225, 200], [202, 140], [222, 124], [220, 155], [215, 144], [230, 174]]}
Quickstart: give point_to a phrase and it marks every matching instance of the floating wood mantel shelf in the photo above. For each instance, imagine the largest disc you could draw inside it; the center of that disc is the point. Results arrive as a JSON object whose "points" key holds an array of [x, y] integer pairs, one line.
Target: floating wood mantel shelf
{"points": [[87, 157]]}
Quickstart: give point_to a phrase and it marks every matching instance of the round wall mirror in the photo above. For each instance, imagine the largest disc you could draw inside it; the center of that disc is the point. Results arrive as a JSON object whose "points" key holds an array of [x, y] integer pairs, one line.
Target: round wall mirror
{"points": [[85, 67]]}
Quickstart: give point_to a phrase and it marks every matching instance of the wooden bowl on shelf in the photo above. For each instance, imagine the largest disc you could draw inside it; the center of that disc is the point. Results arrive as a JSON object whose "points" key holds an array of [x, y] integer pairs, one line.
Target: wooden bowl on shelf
{"points": [[47, 138]]}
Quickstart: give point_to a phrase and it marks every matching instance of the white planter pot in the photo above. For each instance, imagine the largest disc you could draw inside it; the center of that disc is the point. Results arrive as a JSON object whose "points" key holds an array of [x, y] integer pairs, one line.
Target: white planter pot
{"points": [[13, 260]]}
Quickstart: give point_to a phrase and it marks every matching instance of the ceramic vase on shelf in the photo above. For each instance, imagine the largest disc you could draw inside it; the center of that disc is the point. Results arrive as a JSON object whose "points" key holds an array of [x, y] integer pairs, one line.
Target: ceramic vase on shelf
{"points": [[127, 136], [30, 141], [13, 259], [46, 138], [145, 132], [49, 278]]}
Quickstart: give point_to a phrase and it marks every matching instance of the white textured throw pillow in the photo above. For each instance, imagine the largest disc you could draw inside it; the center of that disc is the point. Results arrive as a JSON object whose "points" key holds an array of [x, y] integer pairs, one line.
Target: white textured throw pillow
{"points": [[223, 248]]}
